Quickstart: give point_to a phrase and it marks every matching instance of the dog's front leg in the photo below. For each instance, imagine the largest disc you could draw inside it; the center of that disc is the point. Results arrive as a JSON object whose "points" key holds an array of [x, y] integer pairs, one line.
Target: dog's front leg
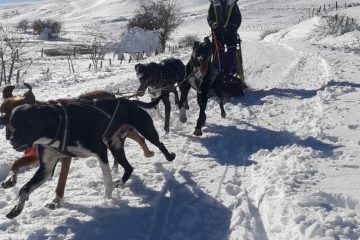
{"points": [[217, 86], [202, 101], [184, 89], [106, 172], [48, 162], [25, 161]]}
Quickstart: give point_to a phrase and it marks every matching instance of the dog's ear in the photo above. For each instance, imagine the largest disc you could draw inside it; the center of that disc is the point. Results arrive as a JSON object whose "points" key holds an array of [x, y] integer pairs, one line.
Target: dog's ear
{"points": [[137, 66], [7, 92], [28, 86], [29, 95], [196, 44]]}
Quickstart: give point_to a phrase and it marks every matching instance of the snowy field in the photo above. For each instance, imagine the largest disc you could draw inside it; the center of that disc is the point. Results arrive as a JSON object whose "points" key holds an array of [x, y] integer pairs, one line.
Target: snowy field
{"points": [[283, 165]]}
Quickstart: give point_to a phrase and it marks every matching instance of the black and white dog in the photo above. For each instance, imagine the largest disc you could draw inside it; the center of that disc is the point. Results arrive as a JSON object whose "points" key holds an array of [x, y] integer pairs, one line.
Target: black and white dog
{"points": [[160, 78], [202, 76], [80, 129]]}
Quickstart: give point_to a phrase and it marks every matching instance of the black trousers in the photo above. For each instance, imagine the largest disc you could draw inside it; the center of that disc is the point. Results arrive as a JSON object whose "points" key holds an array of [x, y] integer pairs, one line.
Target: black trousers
{"points": [[226, 61]]}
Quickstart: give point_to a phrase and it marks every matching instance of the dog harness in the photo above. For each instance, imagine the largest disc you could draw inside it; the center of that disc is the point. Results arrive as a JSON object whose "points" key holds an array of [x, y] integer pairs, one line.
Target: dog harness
{"points": [[63, 124], [31, 152]]}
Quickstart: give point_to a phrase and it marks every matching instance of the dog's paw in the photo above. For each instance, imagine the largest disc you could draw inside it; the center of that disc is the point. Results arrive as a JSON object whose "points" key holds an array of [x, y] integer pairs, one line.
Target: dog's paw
{"points": [[197, 132], [15, 212], [127, 175], [119, 184], [171, 157], [10, 181], [149, 154], [55, 203], [183, 117]]}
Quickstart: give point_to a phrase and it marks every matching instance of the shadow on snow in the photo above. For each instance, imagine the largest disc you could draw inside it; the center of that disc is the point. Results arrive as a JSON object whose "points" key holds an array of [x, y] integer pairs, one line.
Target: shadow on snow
{"points": [[234, 146], [178, 211], [255, 97]]}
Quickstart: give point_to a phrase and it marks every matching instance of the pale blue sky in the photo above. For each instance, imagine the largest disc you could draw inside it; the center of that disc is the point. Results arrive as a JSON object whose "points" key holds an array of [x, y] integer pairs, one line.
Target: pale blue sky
{"points": [[10, 1]]}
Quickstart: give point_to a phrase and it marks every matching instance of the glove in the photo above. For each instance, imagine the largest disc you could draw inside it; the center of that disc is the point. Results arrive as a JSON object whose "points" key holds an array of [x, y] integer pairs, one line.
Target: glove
{"points": [[216, 26]]}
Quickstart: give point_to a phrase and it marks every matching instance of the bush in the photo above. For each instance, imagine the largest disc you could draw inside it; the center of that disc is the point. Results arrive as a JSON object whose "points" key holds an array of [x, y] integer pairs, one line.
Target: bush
{"points": [[53, 26], [23, 25], [38, 26], [188, 40], [162, 16], [337, 25]]}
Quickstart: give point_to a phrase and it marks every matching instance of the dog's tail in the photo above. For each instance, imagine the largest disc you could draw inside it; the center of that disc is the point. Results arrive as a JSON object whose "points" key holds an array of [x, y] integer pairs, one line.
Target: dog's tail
{"points": [[150, 104]]}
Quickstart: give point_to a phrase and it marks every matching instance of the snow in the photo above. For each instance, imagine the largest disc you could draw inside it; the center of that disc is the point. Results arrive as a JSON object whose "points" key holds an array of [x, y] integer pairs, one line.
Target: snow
{"points": [[284, 163], [138, 40]]}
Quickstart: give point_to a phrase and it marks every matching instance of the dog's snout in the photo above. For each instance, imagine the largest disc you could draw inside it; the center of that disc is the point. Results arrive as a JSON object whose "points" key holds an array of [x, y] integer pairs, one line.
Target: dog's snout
{"points": [[12, 140]]}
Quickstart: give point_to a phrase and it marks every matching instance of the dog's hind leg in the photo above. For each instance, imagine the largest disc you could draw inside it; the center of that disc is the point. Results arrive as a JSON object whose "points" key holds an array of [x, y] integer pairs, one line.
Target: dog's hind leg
{"points": [[106, 172], [48, 159], [149, 132], [167, 104], [134, 135]]}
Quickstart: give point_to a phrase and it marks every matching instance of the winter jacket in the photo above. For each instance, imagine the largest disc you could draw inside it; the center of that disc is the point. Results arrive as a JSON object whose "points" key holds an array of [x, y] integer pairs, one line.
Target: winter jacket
{"points": [[224, 16]]}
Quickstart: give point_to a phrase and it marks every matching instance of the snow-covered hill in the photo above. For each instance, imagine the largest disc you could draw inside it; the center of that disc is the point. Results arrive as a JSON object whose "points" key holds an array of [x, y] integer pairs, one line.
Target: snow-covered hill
{"points": [[284, 164]]}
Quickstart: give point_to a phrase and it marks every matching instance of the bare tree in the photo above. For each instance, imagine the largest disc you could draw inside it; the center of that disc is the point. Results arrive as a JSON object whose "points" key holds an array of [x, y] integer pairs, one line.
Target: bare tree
{"points": [[157, 15], [99, 42], [12, 49]]}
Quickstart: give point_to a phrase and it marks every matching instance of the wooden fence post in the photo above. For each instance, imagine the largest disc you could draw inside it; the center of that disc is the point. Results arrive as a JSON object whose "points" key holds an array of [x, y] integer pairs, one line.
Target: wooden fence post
{"points": [[68, 58], [18, 77], [110, 61], [42, 53], [336, 5], [130, 59], [101, 64], [1, 75]]}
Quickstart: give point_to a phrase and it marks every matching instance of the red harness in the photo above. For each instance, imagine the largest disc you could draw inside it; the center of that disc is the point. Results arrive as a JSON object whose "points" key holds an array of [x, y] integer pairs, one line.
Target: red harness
{"points": [[31, 152]]}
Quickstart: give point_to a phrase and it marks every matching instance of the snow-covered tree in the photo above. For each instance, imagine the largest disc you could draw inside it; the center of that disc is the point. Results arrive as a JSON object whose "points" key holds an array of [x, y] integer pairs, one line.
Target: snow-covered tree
{"points": [[162, 16]]}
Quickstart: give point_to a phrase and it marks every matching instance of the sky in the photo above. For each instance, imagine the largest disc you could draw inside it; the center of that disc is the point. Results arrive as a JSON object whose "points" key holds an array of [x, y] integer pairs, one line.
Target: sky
{"points": [[11, 1]]}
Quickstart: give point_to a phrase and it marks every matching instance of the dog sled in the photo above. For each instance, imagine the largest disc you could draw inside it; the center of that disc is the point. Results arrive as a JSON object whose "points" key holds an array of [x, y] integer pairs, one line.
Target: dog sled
{"points": [[228, 60]]}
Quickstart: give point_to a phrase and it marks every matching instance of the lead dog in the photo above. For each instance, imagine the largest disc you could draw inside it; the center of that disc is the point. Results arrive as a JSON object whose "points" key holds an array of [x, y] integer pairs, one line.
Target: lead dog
{"points": [[202, 76]]}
